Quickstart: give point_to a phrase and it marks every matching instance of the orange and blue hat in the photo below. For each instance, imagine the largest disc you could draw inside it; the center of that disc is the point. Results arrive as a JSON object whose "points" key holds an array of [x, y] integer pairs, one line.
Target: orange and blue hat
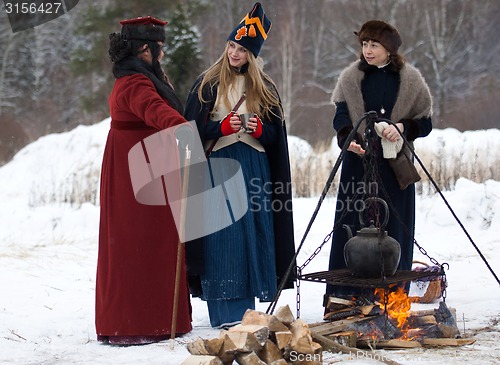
{"points": [[252, 30]]}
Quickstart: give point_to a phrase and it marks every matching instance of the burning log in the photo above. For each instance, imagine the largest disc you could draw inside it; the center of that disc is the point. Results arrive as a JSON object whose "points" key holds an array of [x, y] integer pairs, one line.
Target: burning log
{"points": [[379, 327], [389, 323]]}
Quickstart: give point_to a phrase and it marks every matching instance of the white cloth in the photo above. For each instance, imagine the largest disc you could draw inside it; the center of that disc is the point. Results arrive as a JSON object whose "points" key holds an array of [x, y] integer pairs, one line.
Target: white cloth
{"points": [[390, 149]]}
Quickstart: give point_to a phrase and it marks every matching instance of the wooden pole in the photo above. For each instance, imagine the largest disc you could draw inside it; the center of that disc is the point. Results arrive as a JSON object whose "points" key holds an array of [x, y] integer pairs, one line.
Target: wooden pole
{"points": [[180, 246]]}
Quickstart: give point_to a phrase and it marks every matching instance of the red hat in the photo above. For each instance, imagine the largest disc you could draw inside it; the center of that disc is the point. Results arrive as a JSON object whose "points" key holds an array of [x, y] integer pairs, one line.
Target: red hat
{"points": [[145, 28]]}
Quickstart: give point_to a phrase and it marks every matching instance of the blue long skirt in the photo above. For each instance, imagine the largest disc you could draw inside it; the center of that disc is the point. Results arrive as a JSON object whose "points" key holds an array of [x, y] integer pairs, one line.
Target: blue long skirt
{"points": [[240, 259]]}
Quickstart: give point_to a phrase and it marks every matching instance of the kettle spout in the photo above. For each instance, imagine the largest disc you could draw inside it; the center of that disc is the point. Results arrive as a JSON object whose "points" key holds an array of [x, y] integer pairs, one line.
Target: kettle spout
{"points": [[348, 229]]}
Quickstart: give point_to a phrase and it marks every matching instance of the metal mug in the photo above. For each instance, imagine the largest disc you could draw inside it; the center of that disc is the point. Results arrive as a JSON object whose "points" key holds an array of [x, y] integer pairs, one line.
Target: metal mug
{"points": [[245, 117]]}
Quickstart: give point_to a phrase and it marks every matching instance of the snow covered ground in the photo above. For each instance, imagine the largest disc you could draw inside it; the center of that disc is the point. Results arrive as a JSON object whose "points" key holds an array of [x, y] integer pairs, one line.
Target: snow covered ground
{"points": [[48, 261]]}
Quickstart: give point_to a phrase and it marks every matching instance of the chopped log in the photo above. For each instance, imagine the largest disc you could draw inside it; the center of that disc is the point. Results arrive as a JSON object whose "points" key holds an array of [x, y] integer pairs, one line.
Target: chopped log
{"points": [[205, 347], [302, 341], [240, 342], [344, 338], [388, 344], [379, 326], [279, 362], [332, 327], [426, 312], [335, 303], [202, 360], [421, 332], [436, 342], [282, 338], [422, 320], [448, 331], [276, 326], [341, 314], [261, 333], [227, 358], [307, 360], [329, 345], [371, 310], [445, 315], [270, 352], [253, 317], [284, 315], [249, 359]]}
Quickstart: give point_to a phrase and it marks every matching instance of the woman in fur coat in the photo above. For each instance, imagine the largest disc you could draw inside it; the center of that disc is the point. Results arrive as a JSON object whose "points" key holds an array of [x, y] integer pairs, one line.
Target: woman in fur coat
{"points": [[383, 82]]}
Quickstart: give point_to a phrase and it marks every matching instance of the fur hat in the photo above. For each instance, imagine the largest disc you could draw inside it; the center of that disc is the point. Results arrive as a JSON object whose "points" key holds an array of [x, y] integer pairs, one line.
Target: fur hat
{"points": [[144, 29], [252, 30], [381, 32]]}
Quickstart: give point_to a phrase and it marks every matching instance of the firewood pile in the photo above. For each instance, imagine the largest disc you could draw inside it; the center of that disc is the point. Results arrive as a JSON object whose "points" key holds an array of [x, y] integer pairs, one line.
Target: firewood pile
{"points": [[260, 339], [362, 324]]}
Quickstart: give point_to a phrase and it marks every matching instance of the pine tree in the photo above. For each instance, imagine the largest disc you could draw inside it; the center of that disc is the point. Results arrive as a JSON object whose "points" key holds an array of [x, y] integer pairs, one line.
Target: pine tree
{"points": [[90, 60], [183, 55]]}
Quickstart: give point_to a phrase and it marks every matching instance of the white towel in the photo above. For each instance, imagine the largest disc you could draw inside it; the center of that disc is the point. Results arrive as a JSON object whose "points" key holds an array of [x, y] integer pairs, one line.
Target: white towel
{"points": [[390, 149]]}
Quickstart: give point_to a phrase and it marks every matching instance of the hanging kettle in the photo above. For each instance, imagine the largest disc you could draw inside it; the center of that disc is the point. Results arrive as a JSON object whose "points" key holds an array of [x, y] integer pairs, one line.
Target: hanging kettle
{"points": [[372, 253]]}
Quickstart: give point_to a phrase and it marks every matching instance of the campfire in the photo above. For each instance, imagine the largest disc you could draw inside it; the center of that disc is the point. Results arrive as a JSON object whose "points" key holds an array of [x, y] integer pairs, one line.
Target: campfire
{"points": [[384, 319], [397, 305]]}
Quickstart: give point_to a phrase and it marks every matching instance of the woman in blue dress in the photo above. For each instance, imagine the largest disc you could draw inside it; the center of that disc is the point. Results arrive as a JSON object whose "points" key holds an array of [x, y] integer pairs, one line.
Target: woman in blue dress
{"points": [[248, 259]]}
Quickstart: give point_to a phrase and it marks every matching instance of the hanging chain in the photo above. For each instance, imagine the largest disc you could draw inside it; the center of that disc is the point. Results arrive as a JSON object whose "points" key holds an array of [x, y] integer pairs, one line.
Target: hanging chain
{"points": [[316, 251], [300, 268], [299, 272]]}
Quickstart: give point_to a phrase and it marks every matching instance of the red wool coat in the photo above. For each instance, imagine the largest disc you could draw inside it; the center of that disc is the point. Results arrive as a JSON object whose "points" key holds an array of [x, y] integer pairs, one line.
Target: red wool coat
{"points": [[137, 243]]}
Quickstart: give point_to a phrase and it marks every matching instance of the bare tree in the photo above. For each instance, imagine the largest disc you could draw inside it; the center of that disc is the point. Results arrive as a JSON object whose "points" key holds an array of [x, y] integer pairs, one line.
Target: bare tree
{"points": [[447, 27], [6, 93]]}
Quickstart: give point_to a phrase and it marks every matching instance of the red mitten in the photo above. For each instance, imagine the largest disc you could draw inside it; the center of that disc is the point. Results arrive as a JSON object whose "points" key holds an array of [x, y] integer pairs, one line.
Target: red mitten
{"points": [[258, 131], [225, 125]]}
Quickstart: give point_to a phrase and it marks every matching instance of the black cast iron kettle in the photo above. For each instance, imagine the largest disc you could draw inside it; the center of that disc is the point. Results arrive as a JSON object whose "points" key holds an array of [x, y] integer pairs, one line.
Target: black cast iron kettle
{"points": [[372, 249]]}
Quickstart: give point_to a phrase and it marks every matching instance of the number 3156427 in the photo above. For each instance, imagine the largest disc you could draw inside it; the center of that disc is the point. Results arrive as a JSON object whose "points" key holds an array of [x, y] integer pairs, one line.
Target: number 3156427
{"points": [[33, 8]]}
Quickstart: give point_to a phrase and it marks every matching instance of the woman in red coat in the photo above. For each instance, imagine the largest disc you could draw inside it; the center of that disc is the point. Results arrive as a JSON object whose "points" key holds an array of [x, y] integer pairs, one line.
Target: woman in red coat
{"points": [[137, 242]]}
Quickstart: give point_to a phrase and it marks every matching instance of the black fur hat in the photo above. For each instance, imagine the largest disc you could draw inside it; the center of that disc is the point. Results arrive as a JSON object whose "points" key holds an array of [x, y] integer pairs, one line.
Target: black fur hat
{"points": [[381, 32], [144, 29]]}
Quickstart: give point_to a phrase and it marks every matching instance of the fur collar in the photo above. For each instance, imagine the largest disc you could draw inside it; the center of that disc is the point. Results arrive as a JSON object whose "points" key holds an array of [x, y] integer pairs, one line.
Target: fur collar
{"points": [[414, 98]]}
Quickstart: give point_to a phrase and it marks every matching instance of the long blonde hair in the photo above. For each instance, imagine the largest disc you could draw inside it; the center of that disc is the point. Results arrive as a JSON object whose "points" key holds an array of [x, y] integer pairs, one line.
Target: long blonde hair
{"points": [[260, 98]]}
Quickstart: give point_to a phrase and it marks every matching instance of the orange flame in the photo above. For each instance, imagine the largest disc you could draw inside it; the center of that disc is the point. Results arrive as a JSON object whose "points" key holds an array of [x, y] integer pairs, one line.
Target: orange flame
{"points": [[398, 305]]}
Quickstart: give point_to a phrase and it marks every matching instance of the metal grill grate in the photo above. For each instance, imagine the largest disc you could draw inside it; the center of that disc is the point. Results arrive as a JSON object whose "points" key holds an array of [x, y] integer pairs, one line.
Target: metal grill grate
{"points": [[344, 277]]}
